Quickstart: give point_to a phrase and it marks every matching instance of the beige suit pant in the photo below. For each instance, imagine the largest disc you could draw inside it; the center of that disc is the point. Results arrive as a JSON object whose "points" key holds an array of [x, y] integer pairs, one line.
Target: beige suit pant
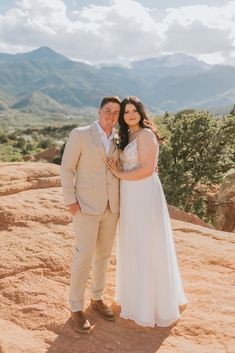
{"points": [[94, 236]]}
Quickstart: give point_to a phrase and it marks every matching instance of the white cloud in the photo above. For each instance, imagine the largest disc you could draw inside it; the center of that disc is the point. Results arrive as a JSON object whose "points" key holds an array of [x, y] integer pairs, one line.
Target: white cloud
{"points": [[203, 31], [214, 58], [120, 31], [196, 38]]}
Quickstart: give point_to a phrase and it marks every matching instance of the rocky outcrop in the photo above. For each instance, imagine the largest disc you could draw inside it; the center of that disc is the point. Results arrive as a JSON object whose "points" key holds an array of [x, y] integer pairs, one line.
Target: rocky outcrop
{"points": [[16, 177], [46, 155], [176, 213], [37, 244], [222, 205]]}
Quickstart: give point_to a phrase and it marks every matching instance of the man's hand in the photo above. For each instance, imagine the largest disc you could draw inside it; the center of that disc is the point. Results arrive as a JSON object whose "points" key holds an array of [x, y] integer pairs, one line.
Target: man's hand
{"points": [[74, 208]]}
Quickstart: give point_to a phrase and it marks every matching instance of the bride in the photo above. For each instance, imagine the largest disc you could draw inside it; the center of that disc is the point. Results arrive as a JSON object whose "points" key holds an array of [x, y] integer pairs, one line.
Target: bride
{"points": [[148, 287]]}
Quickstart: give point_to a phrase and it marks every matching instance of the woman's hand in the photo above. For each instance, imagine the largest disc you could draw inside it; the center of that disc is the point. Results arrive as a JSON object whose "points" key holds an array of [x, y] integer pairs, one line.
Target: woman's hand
{"points": [[113, 166]]}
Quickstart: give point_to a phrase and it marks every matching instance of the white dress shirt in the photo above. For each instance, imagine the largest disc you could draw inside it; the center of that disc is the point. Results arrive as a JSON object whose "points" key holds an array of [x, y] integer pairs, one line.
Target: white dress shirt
{"points": [[104, 138]]}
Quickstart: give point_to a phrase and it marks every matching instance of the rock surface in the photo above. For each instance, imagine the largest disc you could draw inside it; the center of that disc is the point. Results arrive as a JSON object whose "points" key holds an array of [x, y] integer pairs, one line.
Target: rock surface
{"points": [[222, 205], [176, 213], [16, 177], [36, 250], [46, 155]]}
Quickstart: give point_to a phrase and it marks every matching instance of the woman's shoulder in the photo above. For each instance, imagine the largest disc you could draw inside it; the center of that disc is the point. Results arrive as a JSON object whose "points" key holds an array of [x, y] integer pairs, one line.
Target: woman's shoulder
{"points": [[147, 134]]}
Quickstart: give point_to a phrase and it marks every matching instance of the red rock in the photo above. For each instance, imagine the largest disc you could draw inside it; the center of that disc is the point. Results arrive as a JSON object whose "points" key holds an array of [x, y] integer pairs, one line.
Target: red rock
{"points": [[47, 155], [222, 205], [176, 213], [37, 245]]}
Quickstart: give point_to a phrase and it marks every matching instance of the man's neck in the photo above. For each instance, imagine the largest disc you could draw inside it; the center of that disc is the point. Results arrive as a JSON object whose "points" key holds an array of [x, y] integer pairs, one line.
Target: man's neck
{"points": [[107, 131]]}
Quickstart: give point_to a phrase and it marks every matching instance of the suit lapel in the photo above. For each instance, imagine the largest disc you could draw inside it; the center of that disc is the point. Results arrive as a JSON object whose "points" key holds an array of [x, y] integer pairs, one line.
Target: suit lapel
{"points": [[97, 139], [111, 148]]}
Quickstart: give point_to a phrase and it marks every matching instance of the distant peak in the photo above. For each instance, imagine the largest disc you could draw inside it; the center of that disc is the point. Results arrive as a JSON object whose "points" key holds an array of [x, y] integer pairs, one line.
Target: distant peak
{"points": [[45, 53], [170, 60], [43, 49]]}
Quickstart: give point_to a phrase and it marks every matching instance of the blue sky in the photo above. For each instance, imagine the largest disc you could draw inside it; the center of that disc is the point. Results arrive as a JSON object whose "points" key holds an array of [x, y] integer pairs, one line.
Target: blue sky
{"points": [[121, 30]]}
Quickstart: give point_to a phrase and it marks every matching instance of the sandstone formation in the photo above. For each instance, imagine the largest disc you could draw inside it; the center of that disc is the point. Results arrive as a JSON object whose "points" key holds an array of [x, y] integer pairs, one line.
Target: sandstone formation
{"points": [[16, 177], [222, 205], [46, 155], [36, 249], [176, 213]]}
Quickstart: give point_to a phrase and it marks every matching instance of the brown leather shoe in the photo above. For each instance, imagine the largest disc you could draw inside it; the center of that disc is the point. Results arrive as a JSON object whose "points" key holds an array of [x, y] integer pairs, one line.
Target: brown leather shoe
{"points": [[80, 322], [104, 310]]}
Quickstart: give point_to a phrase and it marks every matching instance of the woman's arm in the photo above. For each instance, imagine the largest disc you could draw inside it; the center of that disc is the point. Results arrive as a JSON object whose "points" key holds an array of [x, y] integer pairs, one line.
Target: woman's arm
{"points": [[147, 149]]}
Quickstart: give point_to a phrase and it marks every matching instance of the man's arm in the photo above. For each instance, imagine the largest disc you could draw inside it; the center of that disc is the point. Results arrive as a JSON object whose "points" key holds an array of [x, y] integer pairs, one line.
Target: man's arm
{"points": [[69, 162]]}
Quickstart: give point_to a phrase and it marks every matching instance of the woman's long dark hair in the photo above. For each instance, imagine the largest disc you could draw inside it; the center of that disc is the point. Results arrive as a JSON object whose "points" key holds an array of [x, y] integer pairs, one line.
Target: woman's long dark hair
{"points": [[144, 122]]}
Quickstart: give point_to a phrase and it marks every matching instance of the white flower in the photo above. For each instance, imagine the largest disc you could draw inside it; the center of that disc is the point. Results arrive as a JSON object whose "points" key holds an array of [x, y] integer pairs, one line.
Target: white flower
{"points": [[116, 140]]}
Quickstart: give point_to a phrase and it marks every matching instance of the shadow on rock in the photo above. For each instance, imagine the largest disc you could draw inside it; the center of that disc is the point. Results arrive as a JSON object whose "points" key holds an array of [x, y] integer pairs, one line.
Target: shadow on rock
{"points": [[118, 336]]}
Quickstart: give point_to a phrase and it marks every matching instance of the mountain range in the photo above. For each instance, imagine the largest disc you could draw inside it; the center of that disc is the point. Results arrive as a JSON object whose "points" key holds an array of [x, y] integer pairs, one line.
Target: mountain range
{"points": [[43, 80]]}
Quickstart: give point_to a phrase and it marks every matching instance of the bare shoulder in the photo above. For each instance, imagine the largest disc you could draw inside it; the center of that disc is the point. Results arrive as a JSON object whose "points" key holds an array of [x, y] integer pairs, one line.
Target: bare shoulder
{"points": [[147, 136]]}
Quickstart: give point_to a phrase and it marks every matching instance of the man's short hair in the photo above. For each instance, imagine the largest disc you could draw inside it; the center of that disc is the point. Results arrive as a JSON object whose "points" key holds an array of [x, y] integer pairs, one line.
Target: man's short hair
{"points": [[107, 99]]}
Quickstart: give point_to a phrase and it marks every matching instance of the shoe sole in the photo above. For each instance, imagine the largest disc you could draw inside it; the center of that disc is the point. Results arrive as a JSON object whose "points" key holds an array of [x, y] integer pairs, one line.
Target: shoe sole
{"points": [[84, 331], [102, 315]]}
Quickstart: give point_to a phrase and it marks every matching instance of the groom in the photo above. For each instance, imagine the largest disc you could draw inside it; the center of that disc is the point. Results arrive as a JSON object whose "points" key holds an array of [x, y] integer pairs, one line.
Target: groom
{"points": [[92, 194]]}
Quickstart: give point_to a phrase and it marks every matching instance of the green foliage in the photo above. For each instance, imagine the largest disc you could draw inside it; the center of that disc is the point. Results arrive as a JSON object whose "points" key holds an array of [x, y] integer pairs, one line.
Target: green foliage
{"points": [[57, 159], [3, 138], [19, 143], [200, 151], [10, 154], [45, 143], [162, 127], [233, 111]]}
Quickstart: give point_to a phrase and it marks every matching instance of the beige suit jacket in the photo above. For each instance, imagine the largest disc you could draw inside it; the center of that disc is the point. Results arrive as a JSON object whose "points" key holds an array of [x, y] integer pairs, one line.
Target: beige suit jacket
{"points": [[84, 174]]}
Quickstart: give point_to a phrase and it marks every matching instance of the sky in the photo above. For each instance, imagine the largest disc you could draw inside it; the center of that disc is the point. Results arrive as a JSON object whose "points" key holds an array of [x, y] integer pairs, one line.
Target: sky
{"points": [[119, 31]]}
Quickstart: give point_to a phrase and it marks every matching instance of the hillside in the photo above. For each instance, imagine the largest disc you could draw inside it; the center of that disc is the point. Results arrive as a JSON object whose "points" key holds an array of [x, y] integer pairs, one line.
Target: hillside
{"points": [[170, 82]]}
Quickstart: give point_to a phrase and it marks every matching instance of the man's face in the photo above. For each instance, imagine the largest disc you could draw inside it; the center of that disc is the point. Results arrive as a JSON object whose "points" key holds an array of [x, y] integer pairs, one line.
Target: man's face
{"points": [[108, 115]]}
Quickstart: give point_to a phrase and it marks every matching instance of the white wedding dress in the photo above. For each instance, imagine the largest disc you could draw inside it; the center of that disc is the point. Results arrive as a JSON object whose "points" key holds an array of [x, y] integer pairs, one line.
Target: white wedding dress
{"points": [[148, 282]]}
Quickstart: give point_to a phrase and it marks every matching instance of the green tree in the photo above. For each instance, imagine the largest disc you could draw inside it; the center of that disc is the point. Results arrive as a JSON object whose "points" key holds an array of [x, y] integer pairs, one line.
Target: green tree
{"points": [[9, 154], [233, 111], [46, 143], [3, 138], [20, 143], [198, 153], [57, 159]]}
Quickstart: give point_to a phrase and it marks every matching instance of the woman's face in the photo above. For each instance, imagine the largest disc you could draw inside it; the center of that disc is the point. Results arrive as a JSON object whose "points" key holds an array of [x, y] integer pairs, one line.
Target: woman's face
{"points": [[131, 115]]}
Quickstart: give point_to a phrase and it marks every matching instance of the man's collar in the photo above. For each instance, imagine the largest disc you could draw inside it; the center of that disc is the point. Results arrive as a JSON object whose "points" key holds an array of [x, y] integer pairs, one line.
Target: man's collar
{"points": [[101, 131]]}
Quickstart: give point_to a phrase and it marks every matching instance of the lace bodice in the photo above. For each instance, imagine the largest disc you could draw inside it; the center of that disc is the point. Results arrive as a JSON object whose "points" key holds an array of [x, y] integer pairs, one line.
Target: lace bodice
{"points": [[129, 156]]}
